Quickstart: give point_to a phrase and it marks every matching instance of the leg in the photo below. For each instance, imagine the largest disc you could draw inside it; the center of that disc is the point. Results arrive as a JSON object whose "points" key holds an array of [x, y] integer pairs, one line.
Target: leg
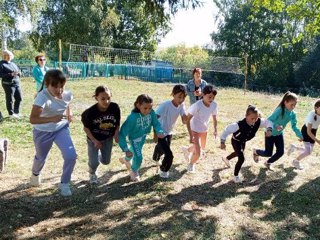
{"points": [[17, 99], [168, 156], [43, 142], [106, 151], [239, 149], [64, 142], [279, 143], [308, 147], [137, 153], [93, 162], [197, 148], [269, 142], [158, 151], [8, 89]]}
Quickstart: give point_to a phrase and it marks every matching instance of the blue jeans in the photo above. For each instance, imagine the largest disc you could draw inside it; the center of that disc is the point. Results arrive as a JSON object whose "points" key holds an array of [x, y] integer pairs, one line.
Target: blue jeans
{"points": [[97, 156], [43, 142], [269, 143]]}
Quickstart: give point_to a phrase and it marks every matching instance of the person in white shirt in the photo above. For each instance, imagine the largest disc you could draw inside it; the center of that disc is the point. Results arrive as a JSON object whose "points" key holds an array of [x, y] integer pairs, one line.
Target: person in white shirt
{"points": [[309, 131], [198, 117], [243, 131], [168, 113]]}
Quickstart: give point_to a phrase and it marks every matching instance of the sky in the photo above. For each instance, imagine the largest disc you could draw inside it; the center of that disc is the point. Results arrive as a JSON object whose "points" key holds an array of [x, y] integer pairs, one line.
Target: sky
{"points": [[192, 27]]}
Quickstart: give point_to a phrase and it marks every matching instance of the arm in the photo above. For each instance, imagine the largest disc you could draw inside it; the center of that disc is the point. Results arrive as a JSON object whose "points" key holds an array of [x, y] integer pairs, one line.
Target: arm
{"points": [[36, 119], [231, 128], [189, 117], [36, 76], [265, 123], [124, 132], [294, 126], [96, 143], [215, 123], [156, 125], [69, 114]]}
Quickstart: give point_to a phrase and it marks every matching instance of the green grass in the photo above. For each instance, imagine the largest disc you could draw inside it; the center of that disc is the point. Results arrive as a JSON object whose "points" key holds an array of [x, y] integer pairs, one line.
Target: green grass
{"points": [[283, 204]]}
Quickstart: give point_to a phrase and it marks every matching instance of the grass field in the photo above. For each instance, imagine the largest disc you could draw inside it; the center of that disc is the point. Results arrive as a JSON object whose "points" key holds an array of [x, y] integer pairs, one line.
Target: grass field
{"points": [[283, 204]]}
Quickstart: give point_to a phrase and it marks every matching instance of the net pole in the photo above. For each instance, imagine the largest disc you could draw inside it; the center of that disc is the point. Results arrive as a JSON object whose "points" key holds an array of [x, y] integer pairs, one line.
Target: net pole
{"points": [[60, 55]]}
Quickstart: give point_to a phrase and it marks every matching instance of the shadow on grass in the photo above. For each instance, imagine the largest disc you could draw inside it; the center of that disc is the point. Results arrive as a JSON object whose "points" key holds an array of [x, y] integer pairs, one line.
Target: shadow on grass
{"points": [[150, 209]]}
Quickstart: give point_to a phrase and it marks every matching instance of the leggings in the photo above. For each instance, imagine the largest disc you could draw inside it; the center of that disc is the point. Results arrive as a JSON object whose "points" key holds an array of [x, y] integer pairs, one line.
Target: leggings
{"points": [[238, 148]]}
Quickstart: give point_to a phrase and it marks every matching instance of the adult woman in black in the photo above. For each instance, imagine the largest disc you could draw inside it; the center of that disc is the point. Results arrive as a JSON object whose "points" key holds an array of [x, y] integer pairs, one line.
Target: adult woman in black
{"points": [[10, 75]]}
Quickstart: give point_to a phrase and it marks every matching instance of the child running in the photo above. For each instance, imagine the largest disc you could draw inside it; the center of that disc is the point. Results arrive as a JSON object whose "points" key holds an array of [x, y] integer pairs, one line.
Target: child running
{"points": [[167, 113], [309, 131], [280, 117], [136, 127], [198, 118], [242, 132], [101, 124], [50, 116]]}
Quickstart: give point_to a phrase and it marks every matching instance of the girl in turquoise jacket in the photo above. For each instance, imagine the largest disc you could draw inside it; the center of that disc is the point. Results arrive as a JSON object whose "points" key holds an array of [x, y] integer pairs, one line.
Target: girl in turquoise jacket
{"points": [[136, 127], [281, 116]]}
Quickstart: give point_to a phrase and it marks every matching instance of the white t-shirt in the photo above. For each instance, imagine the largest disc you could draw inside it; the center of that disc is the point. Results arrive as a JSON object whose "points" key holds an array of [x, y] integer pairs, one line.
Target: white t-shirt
{"points": [[52, 107], [201, 115], [168, 115], [310, 119]]}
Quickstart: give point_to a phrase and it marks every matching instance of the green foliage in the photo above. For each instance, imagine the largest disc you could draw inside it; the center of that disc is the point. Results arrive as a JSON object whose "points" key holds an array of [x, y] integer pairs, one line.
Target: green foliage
{"points": [[184, 57]]}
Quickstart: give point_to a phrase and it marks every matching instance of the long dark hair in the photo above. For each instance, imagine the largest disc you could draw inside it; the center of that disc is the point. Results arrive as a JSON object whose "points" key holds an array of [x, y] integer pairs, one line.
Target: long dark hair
{"points": [[53, 77], [143, 98], [288, 96]]}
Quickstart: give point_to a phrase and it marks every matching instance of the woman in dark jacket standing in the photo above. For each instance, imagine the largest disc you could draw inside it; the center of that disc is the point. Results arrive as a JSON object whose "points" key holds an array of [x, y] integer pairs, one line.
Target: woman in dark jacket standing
{"points": [[10, 75]]}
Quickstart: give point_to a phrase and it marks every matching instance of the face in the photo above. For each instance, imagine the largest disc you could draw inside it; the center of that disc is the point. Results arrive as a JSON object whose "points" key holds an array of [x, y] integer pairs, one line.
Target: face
{"points": [[145, 108], [208, 98], [197, 75], [290, 105], [56, 91], [178, 98], [5, 57], [104, 99], [317, 109], [41, 61], [251, 118]]}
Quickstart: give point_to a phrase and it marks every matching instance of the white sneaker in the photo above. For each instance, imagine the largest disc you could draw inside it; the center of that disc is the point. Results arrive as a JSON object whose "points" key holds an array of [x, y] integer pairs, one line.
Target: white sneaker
{"points": [[93, 179], [35, 180], [296, 164], [237, 179], [163, 174], [191, 168], [65, 189], [186, 153], [291, 149], [226, 161], [134, 176]]}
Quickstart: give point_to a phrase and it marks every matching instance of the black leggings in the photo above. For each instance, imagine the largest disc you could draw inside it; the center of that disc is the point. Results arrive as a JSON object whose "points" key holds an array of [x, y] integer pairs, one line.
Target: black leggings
{"points": [[163, 147], [238, 148]]}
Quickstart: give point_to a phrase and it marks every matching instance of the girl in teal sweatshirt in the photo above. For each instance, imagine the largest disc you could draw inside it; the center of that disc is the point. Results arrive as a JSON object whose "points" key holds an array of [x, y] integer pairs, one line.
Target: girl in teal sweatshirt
{"points": [[281, 116], [136, 127]]}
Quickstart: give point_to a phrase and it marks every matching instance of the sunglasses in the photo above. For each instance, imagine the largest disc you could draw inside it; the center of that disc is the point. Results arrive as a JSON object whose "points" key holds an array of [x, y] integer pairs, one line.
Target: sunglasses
{"points": [[42, 59]]}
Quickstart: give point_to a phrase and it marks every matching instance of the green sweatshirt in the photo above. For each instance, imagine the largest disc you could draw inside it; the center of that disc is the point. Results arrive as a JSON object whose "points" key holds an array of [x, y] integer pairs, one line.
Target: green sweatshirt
{"points": [[279, 120], [136, 126]]}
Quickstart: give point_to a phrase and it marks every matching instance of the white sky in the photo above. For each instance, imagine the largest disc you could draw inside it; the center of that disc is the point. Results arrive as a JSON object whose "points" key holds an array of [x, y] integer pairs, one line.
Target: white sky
{"points": [[192, 27]]}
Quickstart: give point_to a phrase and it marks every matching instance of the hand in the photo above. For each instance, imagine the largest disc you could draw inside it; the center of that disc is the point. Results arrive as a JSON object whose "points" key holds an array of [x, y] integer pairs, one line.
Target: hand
{"points": [[191, 139], [129, 154], [223, 146], [279, 128], [69, 118], [160, 135], [57, 118], [268, 133], [300, 139], [97, 144], [116, 138]]}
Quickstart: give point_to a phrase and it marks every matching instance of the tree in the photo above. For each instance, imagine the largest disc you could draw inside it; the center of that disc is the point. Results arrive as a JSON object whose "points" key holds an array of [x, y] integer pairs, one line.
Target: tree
{"points": [[305, 11]]}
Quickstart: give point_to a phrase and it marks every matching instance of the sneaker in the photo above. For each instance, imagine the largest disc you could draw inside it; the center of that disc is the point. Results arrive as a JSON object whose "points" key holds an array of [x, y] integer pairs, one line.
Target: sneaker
{"points": [[268, 165], [255, 155], [65, 190], [186, 154], [191, 168], [291, 149], [35, 180], [134, 176], [237, 179], [296, 164], [93, 179], [163, 174], [226, 161]]}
